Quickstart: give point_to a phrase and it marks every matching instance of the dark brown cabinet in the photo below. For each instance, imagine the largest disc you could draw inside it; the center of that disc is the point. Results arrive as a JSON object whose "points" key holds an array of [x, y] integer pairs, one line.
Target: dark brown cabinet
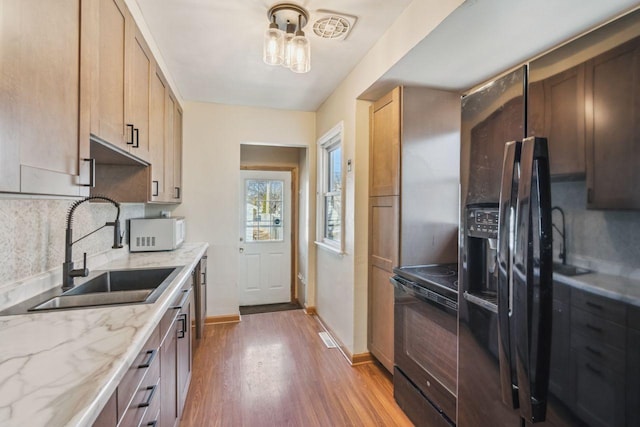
{"points": [[633, 367], [556, 111], [559, 379], [487, 148], [598, 358], [613, 133]]}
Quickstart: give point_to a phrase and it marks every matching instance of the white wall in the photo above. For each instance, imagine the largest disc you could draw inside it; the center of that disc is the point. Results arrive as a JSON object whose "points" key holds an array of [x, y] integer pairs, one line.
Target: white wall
{"points": [[213, 135], [341, 285]]}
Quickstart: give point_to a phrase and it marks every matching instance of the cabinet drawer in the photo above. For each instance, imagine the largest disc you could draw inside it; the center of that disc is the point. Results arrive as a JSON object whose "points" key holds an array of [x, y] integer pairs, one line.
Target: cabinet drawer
{"points": [[144, 399], [605, 308], [134, 376], [172, 312], [596, 329], [601, 355], [600, 394]]}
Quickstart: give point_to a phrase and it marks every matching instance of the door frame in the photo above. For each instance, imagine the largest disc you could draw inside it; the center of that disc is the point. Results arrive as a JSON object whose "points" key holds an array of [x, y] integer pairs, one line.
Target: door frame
{"points": [[294, 219]]}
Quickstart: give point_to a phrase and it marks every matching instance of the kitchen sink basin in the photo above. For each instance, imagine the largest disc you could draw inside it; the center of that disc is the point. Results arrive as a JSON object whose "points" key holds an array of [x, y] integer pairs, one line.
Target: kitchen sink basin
{"points": [[131, 286], [569, 270], [123, 280]]}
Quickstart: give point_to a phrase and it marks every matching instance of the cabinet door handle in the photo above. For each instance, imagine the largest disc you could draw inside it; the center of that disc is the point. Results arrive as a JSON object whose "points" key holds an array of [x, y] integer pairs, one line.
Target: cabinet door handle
{"points": [[147, 402], [137, 139], [593, 351], [92, 172], [594, 305], [183, 328], [177, 196], [149, 361], [130, 126], [156, 191], [596, 371], [594, 328], [183, 301], [153, 423]]}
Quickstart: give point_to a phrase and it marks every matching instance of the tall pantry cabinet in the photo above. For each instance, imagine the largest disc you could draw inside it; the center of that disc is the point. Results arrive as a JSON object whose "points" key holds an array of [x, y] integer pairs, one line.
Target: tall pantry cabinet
{"points": [[384, 221]]}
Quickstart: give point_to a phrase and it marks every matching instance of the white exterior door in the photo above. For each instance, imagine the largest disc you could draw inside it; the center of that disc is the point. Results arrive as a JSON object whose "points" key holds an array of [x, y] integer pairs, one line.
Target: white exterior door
{"points": [[265, 237]]}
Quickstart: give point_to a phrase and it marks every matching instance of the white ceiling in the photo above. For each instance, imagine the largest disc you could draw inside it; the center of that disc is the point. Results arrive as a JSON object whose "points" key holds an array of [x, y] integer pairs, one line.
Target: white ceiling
{"points": [[213, 48]]}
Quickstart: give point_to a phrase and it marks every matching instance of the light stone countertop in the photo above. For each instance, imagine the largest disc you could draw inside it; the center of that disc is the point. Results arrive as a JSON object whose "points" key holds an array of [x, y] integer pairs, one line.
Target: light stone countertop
{"points": [[615, 287], [59, 368]]}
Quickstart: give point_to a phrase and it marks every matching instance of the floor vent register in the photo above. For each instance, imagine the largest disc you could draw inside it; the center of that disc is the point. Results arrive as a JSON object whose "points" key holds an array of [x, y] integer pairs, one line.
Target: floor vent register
{"points": [[328, 341]]}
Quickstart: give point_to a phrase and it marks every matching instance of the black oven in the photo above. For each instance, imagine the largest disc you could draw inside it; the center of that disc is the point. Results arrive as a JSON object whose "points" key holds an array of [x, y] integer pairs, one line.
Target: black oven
{"points": [[425, 346]]}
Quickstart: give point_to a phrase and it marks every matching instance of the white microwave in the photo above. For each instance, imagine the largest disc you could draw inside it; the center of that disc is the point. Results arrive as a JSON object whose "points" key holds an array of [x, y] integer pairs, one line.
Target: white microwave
{"points": [[156, 234]]}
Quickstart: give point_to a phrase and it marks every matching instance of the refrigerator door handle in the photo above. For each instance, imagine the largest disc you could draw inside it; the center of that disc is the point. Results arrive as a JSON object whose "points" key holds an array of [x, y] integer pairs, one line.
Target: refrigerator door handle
{"points": [[532, 275], [506, 236]]}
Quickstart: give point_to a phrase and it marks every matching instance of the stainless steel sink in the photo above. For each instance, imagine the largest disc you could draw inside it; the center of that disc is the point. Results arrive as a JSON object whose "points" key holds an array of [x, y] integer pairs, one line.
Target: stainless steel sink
{"points": [[131, 286], [88, 300], [123, 280], [569, 270]]}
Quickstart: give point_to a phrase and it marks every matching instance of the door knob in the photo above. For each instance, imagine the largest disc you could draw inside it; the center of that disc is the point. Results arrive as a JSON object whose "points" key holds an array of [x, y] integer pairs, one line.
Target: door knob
{"points": [[241, 250]]}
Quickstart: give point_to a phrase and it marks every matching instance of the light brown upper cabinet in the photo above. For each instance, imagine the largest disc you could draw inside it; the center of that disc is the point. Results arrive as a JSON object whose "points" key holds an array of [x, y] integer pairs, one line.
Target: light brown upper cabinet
{"points": [[43, 75], [140, 71], [122, 67], [384, 158], [556, 111], [157, 130], [177, 153], [613, 128], [111, 21]]}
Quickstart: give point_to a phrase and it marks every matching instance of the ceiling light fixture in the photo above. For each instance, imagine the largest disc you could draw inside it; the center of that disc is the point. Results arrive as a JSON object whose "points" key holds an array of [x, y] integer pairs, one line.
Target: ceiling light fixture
{"points": [[284, 41]]}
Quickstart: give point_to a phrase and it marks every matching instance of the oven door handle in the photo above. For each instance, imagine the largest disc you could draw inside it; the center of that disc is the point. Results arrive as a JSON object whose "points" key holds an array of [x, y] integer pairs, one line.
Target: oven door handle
{"points": [[418, 292]]}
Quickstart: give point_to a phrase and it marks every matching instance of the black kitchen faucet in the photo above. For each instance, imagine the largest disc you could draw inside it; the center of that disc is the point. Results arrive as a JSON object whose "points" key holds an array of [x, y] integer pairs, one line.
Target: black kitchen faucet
{"points": [[68, 272]]}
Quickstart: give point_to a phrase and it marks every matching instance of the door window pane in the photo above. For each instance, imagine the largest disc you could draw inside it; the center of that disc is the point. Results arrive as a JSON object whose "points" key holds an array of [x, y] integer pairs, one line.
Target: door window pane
{"points": [[264, 210]]}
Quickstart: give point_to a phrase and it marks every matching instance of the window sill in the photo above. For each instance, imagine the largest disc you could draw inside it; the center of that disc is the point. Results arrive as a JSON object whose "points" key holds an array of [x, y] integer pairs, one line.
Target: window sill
{"points": [[330, 248]]}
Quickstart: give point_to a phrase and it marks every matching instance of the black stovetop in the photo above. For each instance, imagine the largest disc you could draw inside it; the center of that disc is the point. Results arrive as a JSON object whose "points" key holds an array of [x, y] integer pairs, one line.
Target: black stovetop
{"points": [[441, 278]]}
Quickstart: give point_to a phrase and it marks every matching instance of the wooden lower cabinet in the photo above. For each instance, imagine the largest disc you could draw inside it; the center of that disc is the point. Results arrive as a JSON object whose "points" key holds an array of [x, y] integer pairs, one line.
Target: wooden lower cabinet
{"points": [[383, 256], [168, 378], [381, 319], [154, 389], [183, 353]]}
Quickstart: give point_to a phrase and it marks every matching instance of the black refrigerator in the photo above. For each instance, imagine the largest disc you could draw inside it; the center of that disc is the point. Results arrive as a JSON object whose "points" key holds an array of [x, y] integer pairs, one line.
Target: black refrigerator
{"points": [[504, 318], [511, 314]]}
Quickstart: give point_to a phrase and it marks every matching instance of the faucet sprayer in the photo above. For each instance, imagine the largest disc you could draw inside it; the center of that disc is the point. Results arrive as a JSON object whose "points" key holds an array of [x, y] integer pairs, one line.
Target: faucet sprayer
{"points": [[68, 272]]}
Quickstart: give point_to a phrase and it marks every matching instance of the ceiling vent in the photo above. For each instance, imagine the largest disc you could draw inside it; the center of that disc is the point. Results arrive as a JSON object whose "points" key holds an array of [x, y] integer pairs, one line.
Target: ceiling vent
{"points": [[332, 25]]}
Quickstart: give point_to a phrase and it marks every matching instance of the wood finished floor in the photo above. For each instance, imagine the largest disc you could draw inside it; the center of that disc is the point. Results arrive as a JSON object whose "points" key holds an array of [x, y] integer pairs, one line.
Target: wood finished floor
{"points": [[272, 369]]}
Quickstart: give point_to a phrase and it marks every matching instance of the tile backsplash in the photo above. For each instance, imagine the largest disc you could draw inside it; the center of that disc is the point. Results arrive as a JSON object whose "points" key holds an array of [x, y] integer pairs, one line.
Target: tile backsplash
{"points": [[32, 233], [603, 240]]}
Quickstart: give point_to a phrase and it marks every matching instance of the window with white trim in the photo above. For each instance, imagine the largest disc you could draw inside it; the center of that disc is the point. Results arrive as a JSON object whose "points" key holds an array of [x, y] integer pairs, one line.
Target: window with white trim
{"points": [[330, 181]]}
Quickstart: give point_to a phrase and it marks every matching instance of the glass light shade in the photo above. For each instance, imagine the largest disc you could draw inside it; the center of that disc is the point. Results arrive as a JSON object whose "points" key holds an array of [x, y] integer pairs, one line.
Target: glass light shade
{"points": [[288, 48], [300, 54], [273, 50]]}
